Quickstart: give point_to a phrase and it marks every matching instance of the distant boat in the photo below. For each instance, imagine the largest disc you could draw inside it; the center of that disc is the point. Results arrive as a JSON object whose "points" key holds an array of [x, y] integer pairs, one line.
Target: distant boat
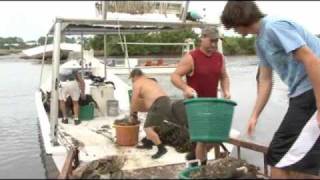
{"points": [[37, 52]]}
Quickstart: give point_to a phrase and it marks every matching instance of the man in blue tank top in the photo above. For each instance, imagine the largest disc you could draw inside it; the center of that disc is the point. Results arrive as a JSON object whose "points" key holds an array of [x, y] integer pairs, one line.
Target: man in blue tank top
{"points": [[293, 52]]}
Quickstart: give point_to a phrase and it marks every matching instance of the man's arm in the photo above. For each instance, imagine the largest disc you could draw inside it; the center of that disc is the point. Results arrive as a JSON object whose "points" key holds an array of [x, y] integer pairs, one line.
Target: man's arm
{"points": [[264, 91], [81, 83], [225, 82], [312, 66], [135, 97], [184, 67]]}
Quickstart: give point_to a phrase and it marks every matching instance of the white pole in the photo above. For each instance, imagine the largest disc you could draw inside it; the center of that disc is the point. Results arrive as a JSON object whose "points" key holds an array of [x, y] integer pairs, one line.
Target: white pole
{"points": [[42, 61], [126, 54], [105, 55], [104, 10], [82, 59], [104, 17], [55, 82], [184, 16]]}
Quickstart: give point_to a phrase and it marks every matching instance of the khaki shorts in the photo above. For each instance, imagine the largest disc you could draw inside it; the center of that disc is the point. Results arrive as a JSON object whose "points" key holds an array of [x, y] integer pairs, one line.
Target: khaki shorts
{"points": [[158, 112], [69, 88]]}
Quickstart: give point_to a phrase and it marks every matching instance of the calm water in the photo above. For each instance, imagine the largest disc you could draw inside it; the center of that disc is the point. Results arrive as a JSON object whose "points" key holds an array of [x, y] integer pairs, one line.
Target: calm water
{"points": [[19, 130], [20, 152]]}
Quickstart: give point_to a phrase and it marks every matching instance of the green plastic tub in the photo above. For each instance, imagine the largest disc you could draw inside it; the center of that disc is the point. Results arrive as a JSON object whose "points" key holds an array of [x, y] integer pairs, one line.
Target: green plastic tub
{"points": [[209, 119], [86, 112], [185, 174], [130, 95]]}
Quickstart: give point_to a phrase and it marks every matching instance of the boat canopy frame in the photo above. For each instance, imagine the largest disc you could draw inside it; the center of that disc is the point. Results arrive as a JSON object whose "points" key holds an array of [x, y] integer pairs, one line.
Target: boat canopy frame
{"points": [[99, 26]]}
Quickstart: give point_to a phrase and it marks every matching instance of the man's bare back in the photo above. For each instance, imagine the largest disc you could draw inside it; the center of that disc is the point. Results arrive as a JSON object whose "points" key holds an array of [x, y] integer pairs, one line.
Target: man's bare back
{"points": [[149, 90]]}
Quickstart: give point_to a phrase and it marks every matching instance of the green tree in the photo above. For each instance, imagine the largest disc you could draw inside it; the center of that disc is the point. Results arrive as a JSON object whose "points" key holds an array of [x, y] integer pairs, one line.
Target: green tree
{"points": [[114, 48], [42, 40], [239, 45], [12, 42]]}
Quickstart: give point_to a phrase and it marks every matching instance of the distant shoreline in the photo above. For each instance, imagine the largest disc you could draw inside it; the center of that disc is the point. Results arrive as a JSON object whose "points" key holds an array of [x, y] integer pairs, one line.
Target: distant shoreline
{"points": [[17, 53], [5, 52]]}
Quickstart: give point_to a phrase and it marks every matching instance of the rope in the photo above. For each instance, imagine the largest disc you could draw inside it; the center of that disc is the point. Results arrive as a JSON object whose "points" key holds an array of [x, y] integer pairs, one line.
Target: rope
{"points": [[68, 144], [42, 61], [120, 34], [118, 27], [126, 53], [123, 43]]}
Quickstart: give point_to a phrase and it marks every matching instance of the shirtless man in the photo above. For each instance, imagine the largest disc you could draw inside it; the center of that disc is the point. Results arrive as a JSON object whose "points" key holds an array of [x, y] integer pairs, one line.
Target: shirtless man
{"points": [[157, 103]]}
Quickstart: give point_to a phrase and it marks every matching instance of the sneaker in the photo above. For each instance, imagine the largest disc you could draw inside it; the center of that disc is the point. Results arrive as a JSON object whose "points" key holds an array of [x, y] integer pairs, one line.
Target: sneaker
{"points": [[144, 146], [191, 155], [195, 164], [204, 162], [64, 120], [161, 151], [76, 121]]}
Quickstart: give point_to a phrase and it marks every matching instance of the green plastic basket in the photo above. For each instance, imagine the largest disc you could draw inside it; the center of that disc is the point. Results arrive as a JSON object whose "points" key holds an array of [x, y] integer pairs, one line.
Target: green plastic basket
{"points": [[185, 174], [86, 112], [209, 119]]}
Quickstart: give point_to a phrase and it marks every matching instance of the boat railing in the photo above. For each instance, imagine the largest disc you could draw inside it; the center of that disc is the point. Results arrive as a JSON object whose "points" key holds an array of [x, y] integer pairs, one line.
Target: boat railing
{"points": [[71, 163], [72, 160], [252, 146], [262, 149]]}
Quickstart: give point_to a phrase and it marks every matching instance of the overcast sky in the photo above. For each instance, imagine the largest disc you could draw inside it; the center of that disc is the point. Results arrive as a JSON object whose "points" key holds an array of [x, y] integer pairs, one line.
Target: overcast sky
{"points": [[31, 19]]}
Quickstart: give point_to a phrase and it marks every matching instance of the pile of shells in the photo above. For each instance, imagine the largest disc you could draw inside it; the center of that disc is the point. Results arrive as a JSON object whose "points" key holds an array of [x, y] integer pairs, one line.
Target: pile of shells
{"points": [[176, 137], [227, 168], [105, 168]]}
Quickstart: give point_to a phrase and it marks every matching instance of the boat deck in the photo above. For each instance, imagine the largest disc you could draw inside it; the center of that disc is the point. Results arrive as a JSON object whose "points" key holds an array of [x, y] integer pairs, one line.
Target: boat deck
{"points": [[96, 139]]}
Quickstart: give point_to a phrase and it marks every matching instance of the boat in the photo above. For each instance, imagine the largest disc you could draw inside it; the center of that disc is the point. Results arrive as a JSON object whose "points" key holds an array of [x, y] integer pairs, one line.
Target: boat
{"points": [[69, 145], [37, 52]]}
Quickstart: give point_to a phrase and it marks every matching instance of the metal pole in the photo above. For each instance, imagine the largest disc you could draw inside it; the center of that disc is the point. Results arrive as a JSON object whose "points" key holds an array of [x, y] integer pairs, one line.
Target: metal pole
{"points": [[126, 53], [184, 17], [104, 10], [238, 152], [43, 57], [104, 16], [105, 55], [55, 82], [82, 59]]}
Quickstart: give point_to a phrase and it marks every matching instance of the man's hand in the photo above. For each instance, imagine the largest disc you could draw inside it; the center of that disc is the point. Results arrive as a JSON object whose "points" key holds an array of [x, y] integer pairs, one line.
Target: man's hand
{"points": [[188, 92], [83, 96], [134, 117], [251, 126], [133, 120], [226, 95]]}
